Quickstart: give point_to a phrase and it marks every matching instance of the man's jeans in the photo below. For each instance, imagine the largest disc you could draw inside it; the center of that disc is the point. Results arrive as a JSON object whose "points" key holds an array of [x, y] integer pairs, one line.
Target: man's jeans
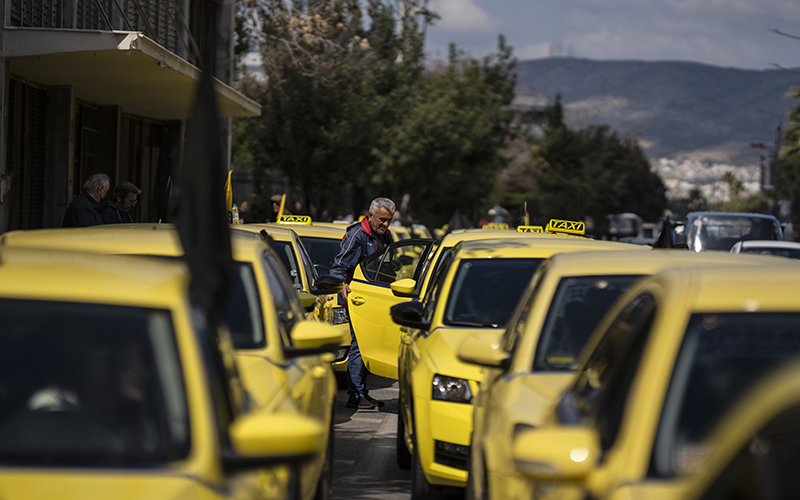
{"points": [[357, 372]]}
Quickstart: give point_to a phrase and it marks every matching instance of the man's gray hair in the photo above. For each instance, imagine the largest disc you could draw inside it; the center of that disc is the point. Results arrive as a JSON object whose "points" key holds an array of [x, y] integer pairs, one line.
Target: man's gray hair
{"points": [[379, 203], [96, 181], [126, 188]]}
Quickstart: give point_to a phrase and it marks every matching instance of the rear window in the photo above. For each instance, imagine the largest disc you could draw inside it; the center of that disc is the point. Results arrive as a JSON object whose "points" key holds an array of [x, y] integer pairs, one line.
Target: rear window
{"points": [[485, 292], [790, 253], [89, 384], [578, 305], [721, 356]]}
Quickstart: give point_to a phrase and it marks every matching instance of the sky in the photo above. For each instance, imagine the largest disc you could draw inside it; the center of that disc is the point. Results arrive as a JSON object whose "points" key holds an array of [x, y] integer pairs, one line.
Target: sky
{"points": [[731, 33]]}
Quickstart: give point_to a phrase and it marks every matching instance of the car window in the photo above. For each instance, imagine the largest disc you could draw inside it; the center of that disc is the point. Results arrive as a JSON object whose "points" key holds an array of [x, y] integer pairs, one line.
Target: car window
{"points": [[518, 324], [395, 262], [578, 305], [288, 308], [601, 389], [790, 253], [322, 252], [243, 310], [308, 264], [721, 232], [437, 280], [289, 261], [485, 292], [90, 384], [720, 357]]}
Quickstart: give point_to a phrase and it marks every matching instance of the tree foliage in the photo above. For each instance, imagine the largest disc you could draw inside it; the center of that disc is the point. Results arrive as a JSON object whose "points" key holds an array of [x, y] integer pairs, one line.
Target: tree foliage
{"points": [[787, 182], [350, 112], [591, 172]]}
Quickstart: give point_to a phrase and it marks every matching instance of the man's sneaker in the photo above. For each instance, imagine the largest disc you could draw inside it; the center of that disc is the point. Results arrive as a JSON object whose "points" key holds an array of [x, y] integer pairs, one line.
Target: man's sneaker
{"points": [[374, 401], [359, 404]]}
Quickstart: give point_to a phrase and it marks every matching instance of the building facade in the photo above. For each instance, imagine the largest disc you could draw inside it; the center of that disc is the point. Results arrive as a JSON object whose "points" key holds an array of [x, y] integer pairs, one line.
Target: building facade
{"points": [[94, 86]]}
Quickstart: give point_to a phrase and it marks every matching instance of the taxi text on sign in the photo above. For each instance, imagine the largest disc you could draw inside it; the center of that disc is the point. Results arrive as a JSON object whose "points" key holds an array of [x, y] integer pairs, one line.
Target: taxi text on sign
{"points": [[566, 226]]}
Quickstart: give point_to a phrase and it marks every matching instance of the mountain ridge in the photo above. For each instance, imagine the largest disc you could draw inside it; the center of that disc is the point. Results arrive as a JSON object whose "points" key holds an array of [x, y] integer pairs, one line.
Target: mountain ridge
{"points": [[675, 108]]}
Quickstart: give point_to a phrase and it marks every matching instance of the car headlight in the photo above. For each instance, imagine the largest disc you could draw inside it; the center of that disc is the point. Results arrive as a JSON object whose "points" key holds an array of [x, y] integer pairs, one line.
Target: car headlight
{"points": [[454, 390], [340, 316]]}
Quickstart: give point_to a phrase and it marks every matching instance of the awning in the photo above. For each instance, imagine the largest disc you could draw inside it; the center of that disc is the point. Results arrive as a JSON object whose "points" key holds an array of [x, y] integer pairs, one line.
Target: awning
{"points": [[119, 68]]}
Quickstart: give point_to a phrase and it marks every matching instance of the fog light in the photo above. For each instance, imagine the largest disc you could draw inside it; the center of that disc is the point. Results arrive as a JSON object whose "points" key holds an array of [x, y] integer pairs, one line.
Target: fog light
{"points": [[340, 316], [451, 454], [341, 354]]}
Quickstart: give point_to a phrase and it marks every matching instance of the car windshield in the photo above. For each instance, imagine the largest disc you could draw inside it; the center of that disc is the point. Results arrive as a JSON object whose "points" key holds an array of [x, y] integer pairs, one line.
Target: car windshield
{"points": [[578, 304], [790, 253], [289, 260], [721, 356], [243, 310], [89, 384], [721, 232], [322, 252], [485, 292]]}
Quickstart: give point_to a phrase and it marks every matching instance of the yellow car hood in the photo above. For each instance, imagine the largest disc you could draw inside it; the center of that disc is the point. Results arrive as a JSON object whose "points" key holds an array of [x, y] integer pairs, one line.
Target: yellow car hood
{"points": [[442, 346], [46, 485]]}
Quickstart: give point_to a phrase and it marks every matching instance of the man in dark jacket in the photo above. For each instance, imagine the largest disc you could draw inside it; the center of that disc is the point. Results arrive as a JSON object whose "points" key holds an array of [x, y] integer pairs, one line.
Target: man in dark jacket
{"points": [[85, 208], [361, 240], [118, 210]]}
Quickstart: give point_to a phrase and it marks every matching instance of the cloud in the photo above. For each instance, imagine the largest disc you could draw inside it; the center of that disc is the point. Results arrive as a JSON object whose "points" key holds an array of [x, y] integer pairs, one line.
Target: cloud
{"points": [[534, 51], [464, 16]]}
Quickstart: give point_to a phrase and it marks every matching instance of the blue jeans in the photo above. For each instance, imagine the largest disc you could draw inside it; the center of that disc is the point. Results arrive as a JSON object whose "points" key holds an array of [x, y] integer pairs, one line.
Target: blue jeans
{"points": [[356, 370]]}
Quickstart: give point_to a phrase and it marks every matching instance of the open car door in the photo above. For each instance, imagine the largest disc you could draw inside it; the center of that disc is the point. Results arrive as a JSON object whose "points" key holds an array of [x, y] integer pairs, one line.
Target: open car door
{"points": [[371, 297]]}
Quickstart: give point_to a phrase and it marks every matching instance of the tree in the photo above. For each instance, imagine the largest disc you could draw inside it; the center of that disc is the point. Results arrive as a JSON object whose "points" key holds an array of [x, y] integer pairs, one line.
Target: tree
{"points": [[607, 173], [788, 166]]}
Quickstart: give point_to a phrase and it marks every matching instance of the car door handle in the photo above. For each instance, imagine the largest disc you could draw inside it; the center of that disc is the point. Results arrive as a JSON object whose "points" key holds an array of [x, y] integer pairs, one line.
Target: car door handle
{"points": [[357, 300]]}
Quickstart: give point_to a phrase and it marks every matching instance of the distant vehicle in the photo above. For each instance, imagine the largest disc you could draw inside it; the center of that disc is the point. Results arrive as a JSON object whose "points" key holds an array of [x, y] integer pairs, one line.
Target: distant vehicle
{"points": [[624, 225], [721, 230], [789, 249]]}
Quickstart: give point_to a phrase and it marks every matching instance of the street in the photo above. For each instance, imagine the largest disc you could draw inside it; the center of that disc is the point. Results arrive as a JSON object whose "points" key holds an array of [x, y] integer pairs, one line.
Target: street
{"points": [[365, 465]]}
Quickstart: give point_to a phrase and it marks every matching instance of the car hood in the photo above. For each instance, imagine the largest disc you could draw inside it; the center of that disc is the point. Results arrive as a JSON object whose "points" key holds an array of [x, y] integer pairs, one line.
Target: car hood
{"points": [[79, 485], [442, 350]]}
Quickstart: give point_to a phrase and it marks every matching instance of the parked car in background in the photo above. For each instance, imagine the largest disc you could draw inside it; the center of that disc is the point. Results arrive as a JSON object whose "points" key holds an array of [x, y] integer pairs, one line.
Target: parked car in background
{"points": [[789, 249]]}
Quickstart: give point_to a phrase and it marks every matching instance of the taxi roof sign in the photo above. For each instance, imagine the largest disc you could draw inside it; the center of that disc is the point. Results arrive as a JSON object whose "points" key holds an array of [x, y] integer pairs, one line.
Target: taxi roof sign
{"points": [[566, 226], [294, 219], [530, 229], [496, 225]]}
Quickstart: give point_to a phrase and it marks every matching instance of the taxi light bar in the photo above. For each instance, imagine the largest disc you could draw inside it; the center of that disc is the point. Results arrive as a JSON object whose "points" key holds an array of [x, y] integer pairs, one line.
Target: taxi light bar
{"points": [[496, 225], [566, 226], [295, 219], [530, 229]]}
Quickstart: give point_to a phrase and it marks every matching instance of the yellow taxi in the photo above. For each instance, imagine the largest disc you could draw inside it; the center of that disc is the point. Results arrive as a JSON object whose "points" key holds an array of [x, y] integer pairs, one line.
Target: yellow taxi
{"points": [[304, 270], [529, 365], [110, 389], [476, 287], [401, 272], [262, 310], [667, 362]]}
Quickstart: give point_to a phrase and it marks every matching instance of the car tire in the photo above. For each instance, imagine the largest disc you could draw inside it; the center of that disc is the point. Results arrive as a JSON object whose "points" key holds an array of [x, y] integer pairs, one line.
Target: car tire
{"points": [[403, 455], [326, 475], [420, 487]]}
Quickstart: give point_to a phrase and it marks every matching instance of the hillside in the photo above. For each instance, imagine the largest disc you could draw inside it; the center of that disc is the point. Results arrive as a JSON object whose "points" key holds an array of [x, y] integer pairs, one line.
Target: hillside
{"points": [[675, 108]]}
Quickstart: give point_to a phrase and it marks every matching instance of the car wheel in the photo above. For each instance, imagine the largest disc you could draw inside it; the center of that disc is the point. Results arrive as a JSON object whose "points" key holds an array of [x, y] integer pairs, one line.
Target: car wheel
{"points": [[326, 475], [403, 455], [420, 487]]}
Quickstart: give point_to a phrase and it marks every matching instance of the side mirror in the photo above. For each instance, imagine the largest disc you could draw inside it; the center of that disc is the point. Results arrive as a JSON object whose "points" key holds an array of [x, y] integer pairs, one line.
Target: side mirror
{"points": [[404, 288], [261, 439], [308, 300], [312, 337], [556, 454], [326, 285], [484, 349], [409, 314]]}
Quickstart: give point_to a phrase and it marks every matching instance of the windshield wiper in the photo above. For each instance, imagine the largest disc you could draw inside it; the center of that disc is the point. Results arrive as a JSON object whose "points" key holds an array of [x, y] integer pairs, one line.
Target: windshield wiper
{"points": [[472, 324]]}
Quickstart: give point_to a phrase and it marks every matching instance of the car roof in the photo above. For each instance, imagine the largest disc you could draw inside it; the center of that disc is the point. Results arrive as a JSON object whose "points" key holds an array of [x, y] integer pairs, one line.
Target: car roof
{"points": [[125, 239], [536, 247], [278, 232], [314, 231], [450, 239], [770, 244], [40, 274], [735, 288], [633, 262]]}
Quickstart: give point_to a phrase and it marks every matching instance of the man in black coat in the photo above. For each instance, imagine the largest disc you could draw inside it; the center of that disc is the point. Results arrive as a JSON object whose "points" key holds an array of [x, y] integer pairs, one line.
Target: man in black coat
{"points": [[85, 208], [118, 209]]}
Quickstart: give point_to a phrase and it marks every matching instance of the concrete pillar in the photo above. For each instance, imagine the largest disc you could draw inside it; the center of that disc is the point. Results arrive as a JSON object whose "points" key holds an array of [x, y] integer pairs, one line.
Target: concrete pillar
{"points": [[59, 155], [109, 119]]}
